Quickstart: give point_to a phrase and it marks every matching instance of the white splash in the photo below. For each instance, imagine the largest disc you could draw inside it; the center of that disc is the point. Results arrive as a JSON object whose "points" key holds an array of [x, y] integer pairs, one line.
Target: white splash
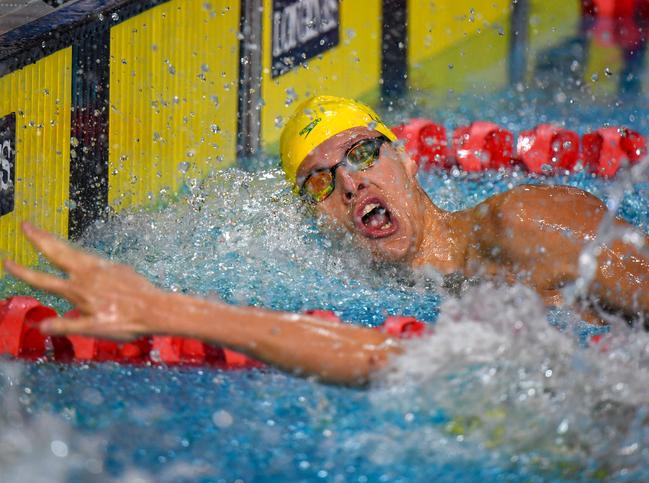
{"points": [[507, 381], [41, 446]]}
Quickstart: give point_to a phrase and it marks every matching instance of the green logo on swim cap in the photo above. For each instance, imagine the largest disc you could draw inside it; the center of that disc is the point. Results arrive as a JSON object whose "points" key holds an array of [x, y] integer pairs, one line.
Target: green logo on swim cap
{"points": [[309, 127]]}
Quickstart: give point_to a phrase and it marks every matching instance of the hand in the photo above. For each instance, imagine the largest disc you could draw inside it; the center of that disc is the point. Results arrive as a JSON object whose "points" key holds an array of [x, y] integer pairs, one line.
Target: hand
{"points": [[112, 298]]}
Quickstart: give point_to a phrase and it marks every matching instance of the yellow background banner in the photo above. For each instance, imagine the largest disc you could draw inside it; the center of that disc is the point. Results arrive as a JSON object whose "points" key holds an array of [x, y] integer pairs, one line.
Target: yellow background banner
{"points": [[39, 95], [173, 98]]}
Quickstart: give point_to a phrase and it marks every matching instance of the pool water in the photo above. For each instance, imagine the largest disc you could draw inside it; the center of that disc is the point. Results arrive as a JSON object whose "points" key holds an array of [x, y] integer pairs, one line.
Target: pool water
{"points": [[496, 393]]}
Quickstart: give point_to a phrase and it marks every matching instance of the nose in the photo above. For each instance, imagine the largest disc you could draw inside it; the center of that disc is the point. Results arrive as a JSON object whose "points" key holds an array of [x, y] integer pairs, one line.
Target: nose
{"points": [[350, 182]]}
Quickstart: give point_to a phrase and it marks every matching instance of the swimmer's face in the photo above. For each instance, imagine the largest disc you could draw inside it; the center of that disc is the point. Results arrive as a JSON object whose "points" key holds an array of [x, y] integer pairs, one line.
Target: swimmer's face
{"points": [[377, 205]]}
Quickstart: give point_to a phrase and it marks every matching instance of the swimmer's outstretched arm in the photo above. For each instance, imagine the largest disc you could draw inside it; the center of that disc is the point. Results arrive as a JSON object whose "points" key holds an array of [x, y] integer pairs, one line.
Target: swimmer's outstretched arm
{"points": [[117, 303]]}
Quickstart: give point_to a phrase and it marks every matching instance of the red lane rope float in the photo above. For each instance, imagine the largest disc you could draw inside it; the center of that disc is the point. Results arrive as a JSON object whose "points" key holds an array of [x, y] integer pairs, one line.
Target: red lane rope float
{"points": [[546, 149], [425, 143], [19, 334], [483, 145], [404, 327], [20, 337], [606, 149], [618, 22], [92, 349]]}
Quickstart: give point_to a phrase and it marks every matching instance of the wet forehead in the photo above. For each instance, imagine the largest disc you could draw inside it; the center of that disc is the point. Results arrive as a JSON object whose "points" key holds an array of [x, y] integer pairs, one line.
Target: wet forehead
{"points": [[332, 150]]}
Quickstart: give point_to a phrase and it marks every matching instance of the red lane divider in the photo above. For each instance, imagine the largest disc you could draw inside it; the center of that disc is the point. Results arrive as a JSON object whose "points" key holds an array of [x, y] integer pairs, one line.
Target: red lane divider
{"points": [[547, 149], [425, 143], [483, 145], [20, 337], [19, 333], [102, 350], [597, 341], [606, 149], [179, 350], [329, 315], [404, 327], [237, 360]]}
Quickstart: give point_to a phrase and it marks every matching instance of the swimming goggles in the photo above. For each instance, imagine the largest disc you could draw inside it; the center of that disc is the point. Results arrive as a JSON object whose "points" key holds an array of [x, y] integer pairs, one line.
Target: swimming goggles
{"points": [[320, 183]]}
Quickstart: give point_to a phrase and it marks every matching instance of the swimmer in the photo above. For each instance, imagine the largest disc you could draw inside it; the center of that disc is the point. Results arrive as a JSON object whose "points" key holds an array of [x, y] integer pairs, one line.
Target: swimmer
{"points": [[341, 160]]}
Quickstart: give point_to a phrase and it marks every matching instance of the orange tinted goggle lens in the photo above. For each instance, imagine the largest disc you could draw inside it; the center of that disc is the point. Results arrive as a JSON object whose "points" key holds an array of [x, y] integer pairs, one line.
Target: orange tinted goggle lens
{"points": [[319, 185]]}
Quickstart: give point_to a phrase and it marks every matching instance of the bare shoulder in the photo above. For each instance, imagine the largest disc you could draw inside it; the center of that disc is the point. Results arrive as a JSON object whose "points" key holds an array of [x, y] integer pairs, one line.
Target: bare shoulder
{"points": [[529, 209], [536, 202], [543, 197]]}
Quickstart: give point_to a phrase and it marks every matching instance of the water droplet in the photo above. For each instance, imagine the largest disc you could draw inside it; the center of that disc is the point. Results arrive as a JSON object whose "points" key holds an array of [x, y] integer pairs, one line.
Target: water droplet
{"points": [[155, 355], [59, 448], [291, 96], [222, 419]]}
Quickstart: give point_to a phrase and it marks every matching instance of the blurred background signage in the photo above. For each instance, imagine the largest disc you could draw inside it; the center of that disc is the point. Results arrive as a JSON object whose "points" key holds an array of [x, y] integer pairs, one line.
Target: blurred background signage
{"points": [[302, 29]]}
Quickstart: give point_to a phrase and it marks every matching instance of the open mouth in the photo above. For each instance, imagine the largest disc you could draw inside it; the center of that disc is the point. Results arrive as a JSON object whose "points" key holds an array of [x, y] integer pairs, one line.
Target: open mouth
{"points": [[373, 219]]}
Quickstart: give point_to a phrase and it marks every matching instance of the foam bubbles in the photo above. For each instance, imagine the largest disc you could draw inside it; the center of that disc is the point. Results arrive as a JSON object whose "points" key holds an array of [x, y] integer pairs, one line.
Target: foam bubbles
{"points": [[496, 375]]}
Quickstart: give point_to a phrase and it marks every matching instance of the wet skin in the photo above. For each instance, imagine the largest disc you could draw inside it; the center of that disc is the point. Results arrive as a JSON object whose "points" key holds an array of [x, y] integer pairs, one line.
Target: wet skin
{"points": [[531, 234]]}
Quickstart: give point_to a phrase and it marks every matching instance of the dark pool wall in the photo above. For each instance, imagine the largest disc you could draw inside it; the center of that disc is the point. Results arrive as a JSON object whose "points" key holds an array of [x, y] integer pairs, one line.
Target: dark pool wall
{"points": [[119, 103]]}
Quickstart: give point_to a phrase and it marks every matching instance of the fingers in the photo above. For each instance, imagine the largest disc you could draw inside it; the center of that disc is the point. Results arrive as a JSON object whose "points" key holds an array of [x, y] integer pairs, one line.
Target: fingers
{"points": [[87, 326], [43, 281], [62, 326], [57, 251]]}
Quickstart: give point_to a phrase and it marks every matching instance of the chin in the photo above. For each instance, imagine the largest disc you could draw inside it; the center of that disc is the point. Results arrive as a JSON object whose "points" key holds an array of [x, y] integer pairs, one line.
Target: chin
{"points": [[391, 250]]}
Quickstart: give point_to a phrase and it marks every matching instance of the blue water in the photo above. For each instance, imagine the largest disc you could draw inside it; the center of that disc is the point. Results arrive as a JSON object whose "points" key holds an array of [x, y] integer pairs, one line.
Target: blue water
{"points": [[242, 238]]}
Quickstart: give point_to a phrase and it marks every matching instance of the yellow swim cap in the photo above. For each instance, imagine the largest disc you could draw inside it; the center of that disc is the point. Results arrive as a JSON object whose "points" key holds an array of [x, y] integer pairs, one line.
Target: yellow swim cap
{"points": [[316, 120]]}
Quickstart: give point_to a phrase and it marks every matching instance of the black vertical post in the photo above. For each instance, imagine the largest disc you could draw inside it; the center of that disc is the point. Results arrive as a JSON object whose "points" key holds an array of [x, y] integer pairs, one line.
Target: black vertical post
{"points": [[518, 41], [89, 128], [394, 58], [250, 60]]}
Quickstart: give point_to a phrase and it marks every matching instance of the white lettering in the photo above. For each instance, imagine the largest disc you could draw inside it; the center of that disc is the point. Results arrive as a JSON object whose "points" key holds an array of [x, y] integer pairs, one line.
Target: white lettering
{"points": [[5, 165], [277, 22], [329, 15], [302, 21]]}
